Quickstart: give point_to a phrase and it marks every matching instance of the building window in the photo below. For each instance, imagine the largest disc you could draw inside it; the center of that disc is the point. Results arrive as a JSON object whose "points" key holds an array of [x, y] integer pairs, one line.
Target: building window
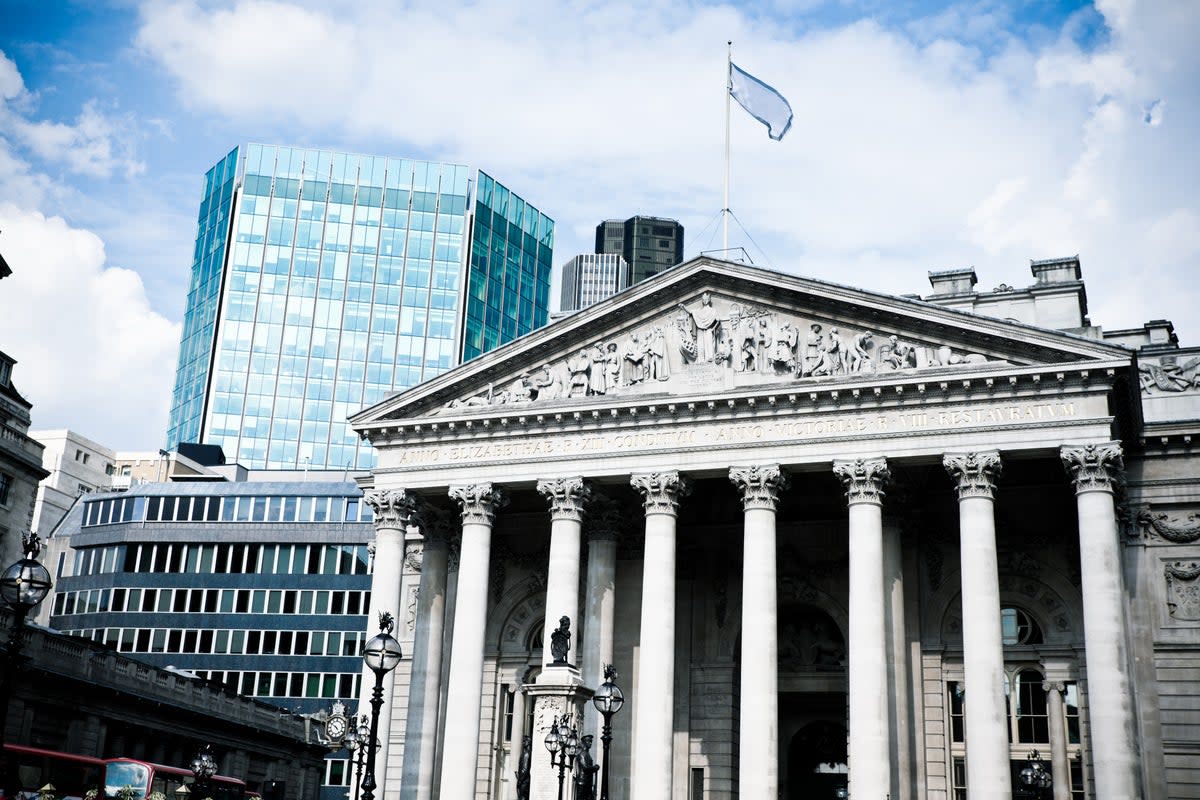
{"points": [[5, 371], [81, 457], [1017, 627], [5, 486]]}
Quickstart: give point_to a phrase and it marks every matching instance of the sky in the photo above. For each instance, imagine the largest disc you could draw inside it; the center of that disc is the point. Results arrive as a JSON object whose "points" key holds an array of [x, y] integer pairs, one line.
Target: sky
{"points": [[927, 136]]}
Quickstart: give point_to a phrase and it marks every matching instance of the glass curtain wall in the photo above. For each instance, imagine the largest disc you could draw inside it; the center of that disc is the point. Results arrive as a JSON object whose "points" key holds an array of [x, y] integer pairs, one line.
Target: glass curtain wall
{"points": [[343, 288]]}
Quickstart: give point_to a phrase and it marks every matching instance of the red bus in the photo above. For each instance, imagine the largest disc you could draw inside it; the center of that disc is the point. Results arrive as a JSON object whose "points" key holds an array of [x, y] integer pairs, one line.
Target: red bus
{"points": [[72, 777], [129, 779]]}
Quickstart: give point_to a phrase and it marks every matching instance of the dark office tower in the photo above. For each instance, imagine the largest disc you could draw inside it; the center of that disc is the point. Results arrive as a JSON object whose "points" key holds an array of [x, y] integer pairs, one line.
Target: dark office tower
{"points": [[648, 244], [323, 282]]}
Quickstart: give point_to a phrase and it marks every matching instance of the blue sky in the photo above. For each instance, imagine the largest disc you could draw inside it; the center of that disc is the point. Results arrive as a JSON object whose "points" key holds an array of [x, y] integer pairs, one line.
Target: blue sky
{"points": [[927, 136]]}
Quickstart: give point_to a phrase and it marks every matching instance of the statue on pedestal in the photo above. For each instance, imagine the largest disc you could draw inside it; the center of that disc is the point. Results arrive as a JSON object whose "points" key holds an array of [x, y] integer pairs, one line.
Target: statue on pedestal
{"points": [[560, 642]]}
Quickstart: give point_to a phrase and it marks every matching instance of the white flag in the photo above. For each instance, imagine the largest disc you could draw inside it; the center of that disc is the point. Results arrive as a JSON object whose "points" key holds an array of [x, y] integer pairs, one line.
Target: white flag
{"points": [[762, 101]]}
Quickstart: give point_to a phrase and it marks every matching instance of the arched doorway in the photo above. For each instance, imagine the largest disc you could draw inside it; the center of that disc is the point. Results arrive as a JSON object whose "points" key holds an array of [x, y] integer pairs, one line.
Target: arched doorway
{"points": [[816, 759]]}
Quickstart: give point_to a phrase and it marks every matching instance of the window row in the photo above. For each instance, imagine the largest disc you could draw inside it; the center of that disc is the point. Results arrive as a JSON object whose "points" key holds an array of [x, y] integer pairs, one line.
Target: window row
{"points": [[286, 684], [208, 559], [213, 601], [226, 509], [228, 642]]}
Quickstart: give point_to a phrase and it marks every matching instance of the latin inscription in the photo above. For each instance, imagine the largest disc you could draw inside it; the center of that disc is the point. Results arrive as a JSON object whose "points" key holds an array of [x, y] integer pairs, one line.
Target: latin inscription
{"points": [[782, 430]]}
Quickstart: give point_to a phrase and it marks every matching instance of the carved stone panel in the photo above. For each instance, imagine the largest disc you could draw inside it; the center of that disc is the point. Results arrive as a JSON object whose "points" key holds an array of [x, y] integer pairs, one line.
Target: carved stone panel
{"points": [[712, 342], [1183, 590]]}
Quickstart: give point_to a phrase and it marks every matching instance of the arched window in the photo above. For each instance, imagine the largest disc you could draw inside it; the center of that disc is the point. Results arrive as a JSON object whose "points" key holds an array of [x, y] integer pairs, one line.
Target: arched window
{"points": [[1018, 627]]}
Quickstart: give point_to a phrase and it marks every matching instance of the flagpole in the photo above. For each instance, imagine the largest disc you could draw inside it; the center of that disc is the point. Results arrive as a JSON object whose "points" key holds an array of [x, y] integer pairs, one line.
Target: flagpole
{"points": [[728, 95]]}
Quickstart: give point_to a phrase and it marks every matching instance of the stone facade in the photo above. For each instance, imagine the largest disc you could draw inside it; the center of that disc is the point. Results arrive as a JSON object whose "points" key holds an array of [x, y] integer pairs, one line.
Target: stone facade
{"points": [[846, 539]]}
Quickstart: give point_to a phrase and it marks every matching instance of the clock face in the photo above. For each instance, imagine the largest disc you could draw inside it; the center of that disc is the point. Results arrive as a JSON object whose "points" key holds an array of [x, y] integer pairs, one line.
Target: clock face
{"points": [[335, 727]]}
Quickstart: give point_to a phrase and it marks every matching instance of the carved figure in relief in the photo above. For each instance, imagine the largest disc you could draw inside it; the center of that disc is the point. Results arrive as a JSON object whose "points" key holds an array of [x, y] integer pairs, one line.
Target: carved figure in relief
{"points": [[783, 350], [597, 379], [548, 383], [762, 345], [858, 359], [704, 326], [814, 346], [1183, 590], [831, 355], [896, 354], [634, 356], [656, 356], [612, 366], [585, 777], [521, 391], [578, 368]]}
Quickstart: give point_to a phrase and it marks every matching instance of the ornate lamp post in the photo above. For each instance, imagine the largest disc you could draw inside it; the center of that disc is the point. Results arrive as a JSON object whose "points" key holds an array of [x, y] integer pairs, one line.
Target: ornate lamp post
{"points": [[204, 766], [382, 654], [356, 743], [23, 585], [563, 743], [608, 700], [1035, 776]]}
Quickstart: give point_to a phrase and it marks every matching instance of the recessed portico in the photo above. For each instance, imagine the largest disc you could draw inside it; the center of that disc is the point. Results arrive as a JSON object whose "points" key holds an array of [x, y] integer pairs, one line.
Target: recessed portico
{"points": [[781, 475]]}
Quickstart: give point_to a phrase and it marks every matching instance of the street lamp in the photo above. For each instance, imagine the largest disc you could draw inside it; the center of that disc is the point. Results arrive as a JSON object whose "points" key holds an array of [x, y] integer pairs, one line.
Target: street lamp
{"points": [[563, 743], [608, 700], [204, 766], [356, 743], [23, 585], [1034, 775], [382, 654]]}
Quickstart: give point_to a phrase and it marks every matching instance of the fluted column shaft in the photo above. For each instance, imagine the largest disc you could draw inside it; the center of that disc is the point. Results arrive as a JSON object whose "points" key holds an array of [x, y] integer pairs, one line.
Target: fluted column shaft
{"points": [[988, 776], [758, 750], [870, 742], [654, 696], [1060, 771], [393, 510], [566, 497], [461, 739], [1093, 469], [420, 737]]}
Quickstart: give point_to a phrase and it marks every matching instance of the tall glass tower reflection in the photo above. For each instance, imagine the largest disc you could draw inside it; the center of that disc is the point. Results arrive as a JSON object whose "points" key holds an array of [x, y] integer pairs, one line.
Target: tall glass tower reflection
{"points": [[322, 282]]}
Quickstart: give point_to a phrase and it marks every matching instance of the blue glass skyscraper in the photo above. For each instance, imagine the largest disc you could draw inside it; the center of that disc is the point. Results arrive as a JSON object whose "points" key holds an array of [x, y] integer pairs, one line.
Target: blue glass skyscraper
{"points": [[322, 282]]}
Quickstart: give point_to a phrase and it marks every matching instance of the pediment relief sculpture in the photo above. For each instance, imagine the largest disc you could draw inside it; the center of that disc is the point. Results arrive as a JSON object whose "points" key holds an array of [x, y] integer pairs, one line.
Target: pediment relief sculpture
{"points": [[711, 343]]}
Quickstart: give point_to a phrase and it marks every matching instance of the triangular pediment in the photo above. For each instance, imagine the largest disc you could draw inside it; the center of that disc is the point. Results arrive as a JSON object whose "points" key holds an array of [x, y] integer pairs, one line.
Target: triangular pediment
{"points": [[709, 327]]}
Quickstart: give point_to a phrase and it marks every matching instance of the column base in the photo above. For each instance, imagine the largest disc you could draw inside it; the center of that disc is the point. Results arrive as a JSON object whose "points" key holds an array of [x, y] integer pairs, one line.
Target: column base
{"points": [[558, 690]]}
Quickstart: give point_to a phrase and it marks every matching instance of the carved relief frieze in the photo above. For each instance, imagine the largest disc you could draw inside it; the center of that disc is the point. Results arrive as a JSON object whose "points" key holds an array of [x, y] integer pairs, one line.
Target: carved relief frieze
{"points": [[711, 340], [1183, 590], [1167, 375], [1150, 524], [413, 556]]}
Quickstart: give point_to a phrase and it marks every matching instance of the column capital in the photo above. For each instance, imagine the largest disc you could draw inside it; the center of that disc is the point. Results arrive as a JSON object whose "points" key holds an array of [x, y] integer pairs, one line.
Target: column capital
{"points": [[1053, 686], [437, 526], [394, 508], [661, 491], [975, 473], [864, 479], [603, 521], [1093, 467], [760, 485], [479, 502], [566, 496]]}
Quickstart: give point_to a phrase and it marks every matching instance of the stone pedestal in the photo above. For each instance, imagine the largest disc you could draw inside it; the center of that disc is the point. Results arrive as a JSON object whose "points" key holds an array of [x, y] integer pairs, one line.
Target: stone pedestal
{"points": [[557, 691]]}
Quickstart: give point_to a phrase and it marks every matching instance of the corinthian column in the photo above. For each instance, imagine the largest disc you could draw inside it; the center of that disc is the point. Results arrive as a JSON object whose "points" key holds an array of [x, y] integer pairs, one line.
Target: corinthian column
{"points": [[988, 775], [420, 737], [460, 749], [1093, 469], [758, 749], [566, 497], [870, 743], [393, 509], [601, 528], [654, 701]]}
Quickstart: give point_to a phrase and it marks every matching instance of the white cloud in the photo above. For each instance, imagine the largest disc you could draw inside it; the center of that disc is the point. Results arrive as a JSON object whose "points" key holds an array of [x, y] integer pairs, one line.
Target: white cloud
{"points": [[93, 356], [912, 149], [96, 144]]}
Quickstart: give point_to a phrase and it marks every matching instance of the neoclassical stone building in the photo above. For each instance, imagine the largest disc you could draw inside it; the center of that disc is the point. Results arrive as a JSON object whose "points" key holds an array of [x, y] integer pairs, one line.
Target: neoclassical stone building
{"points": [[826, 536]]}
